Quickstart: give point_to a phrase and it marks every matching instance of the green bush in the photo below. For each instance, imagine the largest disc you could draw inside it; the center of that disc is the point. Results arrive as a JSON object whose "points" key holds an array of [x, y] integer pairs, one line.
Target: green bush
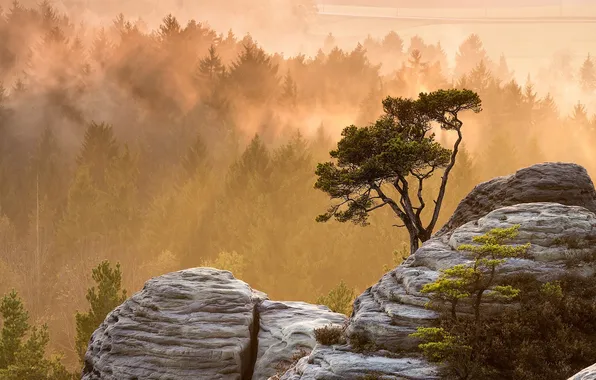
{"points": [[340, 299], [550, 335]]}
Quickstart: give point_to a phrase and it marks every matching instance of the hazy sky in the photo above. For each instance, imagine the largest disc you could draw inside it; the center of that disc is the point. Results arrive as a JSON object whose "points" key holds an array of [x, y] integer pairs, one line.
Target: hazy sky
{"points": [[526, 46]]}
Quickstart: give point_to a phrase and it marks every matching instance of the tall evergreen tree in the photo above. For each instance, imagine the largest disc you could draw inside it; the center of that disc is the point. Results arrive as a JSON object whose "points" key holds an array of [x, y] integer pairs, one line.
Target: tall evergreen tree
{"points": [[393, 44], [579, 116], [254, 164], [194, 161], [81, 215], [101, 48], [14, 327], [102, 299], [119, 199], [254, 74], [170, 29], [470, 53], [503, 73], [329, 43], [587, 75], [25, 359], [289, 93], [98, 150], [211, 68]]}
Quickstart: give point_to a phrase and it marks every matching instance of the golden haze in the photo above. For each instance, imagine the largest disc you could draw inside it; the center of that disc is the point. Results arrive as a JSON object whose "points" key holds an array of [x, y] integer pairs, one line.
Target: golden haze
{"points": [[150, 201]]}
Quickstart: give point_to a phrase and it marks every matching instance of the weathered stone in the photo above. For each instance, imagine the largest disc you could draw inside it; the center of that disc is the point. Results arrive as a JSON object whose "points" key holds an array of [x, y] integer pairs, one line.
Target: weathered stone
{"points": [[565, 183], [193, 324], [286, 329], [390, 310], [587, 374], [326, 363]]}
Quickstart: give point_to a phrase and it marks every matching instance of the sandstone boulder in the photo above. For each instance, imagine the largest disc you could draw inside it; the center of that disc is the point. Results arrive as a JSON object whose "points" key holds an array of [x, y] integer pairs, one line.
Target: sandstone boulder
{"points": [[565, 183], [390, 310], [287, 329], [202, 323], [193, 324]]}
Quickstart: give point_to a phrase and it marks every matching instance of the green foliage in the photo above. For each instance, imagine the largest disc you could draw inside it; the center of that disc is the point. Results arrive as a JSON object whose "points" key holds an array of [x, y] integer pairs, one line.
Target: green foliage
{"points": [[230, 261], [330, 335], [25, 359], [254, 74], [339, 299], [102, 300], [439, 345], [14, 328], [98, 150], [289, 93], [472, 281], [550, 335], [102, 200], [587, 75], [397, 150]]}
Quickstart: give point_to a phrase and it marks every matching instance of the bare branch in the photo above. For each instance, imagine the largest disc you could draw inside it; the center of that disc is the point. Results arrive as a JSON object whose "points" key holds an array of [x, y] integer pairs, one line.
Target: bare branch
{"points": [[377, 206], [407, 203], [400, 213], [444, 179]]}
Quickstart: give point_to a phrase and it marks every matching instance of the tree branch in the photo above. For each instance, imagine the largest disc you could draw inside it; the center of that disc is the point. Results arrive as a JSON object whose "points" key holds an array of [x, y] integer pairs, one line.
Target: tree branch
{"points": [[407, 203], [377, 206], [400, 213], [445, 177]]}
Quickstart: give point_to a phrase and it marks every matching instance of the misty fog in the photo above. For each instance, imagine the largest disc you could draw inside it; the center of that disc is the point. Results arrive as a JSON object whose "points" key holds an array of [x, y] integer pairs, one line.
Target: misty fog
{"points": [[127, 133]]}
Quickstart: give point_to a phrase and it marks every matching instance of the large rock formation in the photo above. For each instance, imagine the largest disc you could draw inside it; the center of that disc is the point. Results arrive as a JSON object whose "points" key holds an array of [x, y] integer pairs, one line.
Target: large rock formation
{"points": [[567, 184], [392, 309], [201, 323], [204, 324], [553, 202], [287, 329], [196, 323]]}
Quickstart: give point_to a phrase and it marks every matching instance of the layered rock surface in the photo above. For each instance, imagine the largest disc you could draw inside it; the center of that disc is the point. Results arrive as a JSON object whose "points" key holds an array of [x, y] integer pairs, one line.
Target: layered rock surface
{"points": [[335, 364], [554, 203], [192, 324], [202, 323], [587, 374], [564, 183], [390, 310], [286, 329]]}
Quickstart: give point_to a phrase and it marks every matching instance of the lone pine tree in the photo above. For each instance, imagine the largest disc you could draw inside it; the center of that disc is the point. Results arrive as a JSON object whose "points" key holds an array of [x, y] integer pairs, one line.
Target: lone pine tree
{"points": [[396, 153]]}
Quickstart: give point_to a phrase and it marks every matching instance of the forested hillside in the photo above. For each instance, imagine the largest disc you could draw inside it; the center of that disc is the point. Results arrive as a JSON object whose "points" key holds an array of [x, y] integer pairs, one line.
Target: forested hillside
{"points": [[182, 146]]}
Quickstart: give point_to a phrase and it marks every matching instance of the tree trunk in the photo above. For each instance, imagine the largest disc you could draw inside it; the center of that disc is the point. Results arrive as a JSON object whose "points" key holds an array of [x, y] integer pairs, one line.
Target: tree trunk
{"points": [[424, 235], [414, 242]]}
